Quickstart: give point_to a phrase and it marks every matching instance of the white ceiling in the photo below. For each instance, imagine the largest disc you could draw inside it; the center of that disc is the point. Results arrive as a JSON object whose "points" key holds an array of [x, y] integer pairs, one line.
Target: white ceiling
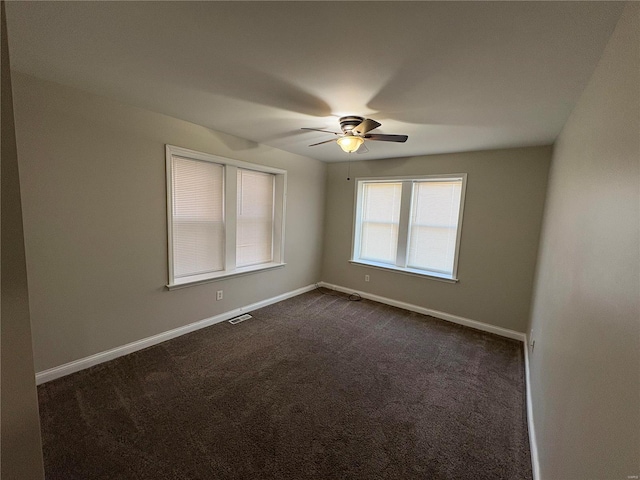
{"points": [[454, 76]]}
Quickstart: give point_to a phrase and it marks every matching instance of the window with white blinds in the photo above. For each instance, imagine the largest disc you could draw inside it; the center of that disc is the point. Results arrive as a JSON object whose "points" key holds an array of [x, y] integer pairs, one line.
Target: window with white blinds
{"points": [[433, 228], [254, 237], [198, 217], [225, 217], [380, 219], [410, 224]]}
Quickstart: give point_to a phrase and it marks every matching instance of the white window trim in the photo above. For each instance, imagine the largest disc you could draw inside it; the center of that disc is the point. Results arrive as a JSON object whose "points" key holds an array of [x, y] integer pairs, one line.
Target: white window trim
{"points": [[404, 219], [230, 192]]}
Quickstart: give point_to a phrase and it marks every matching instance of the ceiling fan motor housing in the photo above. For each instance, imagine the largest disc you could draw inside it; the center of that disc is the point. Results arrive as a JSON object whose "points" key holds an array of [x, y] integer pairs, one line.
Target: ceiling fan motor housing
{"points": [[348, 123]]}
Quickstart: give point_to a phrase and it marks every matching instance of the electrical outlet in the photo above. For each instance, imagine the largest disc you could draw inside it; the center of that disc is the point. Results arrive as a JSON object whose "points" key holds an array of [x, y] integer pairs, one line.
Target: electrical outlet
{"points": [[219, 295], [366, 278]]}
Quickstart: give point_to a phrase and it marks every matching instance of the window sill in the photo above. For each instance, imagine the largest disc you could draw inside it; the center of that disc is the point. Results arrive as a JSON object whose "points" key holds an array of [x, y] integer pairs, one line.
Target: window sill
{"points": [[407, 271], [215, 276]]}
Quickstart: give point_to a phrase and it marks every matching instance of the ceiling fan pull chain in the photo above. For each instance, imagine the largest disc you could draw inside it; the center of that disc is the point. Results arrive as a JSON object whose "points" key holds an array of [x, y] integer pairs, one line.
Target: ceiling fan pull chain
{"points": [[349, 168]]}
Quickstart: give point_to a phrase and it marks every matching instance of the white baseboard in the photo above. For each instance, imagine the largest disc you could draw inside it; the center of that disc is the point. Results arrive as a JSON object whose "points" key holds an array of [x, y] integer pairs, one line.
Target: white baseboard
{"points": [[503, 332], [81, 364], [533, 444]]}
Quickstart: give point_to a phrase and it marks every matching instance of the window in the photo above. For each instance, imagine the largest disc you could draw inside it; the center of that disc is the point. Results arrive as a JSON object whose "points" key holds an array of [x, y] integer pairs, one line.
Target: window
{"points": [[411, 224], [225, 217], [254, 226]]}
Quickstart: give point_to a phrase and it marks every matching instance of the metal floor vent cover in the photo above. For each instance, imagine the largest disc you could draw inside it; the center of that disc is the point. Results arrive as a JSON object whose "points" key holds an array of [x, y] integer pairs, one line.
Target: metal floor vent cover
{"points": [[239, 319]]}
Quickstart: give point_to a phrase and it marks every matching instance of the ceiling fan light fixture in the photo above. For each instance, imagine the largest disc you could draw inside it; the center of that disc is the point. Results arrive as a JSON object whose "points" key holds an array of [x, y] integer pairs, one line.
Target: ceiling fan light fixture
{"points": [[354, 131], [350, 143]]}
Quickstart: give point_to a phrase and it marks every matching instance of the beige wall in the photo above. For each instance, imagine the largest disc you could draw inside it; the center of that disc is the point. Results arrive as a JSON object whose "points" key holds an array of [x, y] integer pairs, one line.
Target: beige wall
{"points": [[585, 368], [500, 232], [93, 187], [21, 456]]}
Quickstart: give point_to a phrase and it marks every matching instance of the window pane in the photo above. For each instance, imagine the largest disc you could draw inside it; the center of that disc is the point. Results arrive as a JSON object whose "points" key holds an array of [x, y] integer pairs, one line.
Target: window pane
{"points": [[198, 247], [198, 228], [254, 228], [434, 224], [379, 221]]}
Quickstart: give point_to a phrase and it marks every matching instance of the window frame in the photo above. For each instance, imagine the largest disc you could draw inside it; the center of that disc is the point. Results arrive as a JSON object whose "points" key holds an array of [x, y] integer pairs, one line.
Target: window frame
{"points": [[230, 167], [402, 250]]}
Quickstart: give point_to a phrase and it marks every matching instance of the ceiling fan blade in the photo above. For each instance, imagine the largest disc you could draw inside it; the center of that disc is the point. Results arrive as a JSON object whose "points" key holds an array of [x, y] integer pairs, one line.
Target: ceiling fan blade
{"points": [[386, 138], [366, 126], [320, 143], [318, 130]]}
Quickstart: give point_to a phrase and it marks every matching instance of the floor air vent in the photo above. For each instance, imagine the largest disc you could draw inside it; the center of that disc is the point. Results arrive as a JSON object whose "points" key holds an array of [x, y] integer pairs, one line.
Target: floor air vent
{"points": [[239, 319]]}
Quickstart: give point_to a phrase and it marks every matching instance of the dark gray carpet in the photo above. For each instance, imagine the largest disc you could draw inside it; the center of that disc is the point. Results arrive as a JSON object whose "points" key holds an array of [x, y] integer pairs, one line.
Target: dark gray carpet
{"points": [[315, 387]]}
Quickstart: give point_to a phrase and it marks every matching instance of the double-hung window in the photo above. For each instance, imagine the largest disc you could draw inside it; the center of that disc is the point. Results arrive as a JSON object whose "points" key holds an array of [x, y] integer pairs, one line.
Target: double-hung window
{"points": [[410, 224], [225, 217]]}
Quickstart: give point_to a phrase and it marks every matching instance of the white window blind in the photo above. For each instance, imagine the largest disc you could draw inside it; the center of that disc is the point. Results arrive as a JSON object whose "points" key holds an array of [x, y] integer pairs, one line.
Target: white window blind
{"points": [[434, 225], [198, 217], [380, 218], [254, 234], [410, 224], [225, 217]]}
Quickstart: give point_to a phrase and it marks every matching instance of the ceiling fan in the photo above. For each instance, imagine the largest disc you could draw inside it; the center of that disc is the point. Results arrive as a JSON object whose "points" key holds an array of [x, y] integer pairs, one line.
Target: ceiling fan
{"points": [[354, 132]]}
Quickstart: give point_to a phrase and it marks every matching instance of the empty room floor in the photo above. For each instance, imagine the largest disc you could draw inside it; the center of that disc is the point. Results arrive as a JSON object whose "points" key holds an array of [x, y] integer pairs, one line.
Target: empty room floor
{"points": [[314, 387]]}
